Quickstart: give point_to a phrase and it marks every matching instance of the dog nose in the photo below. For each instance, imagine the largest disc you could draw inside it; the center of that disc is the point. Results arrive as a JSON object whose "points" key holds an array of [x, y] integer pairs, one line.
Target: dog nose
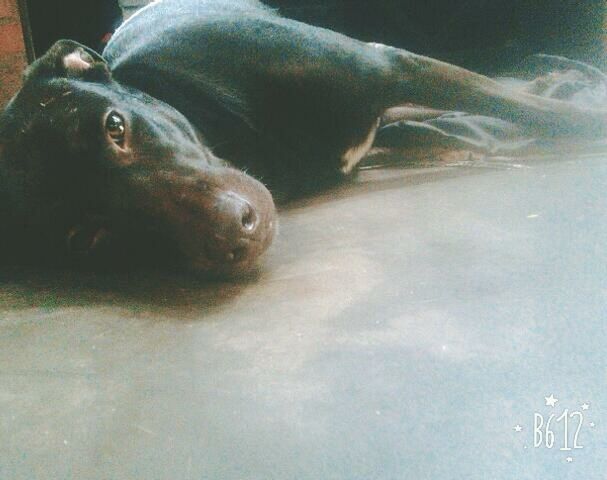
{"points": [[241, 232], [249, 218], [236, 216]]}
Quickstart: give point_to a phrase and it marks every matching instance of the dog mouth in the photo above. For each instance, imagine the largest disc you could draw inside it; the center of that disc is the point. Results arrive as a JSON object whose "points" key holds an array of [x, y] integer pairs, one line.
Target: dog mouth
{"points": [[221, 256], [101, 246]]}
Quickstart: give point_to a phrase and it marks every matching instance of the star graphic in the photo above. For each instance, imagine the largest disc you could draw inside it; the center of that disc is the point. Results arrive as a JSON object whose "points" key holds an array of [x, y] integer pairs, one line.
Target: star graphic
{"points": [[592, 425], [569, 459], [585, 406], [551, 401], [518, 428]]}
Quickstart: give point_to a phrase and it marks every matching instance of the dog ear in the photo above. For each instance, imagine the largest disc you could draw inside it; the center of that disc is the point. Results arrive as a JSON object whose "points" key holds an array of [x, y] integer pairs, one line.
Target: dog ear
{"points": [[70, 59]]}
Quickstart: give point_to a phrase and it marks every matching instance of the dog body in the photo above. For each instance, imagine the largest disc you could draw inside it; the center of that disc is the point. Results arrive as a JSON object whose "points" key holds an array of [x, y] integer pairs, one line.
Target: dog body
{"points": [[285, 100], [148, 145]]}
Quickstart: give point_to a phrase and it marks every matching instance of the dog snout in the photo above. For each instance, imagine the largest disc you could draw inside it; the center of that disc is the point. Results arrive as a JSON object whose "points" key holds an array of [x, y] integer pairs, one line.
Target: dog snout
{"points": [[221, 220]]}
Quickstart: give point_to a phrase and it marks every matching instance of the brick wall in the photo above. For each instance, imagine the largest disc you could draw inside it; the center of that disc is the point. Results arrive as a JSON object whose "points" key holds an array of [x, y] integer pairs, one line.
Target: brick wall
{"points": [[12, 50]]}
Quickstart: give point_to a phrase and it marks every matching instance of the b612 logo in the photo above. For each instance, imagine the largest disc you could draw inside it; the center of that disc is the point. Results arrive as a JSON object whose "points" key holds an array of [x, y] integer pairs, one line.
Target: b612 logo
{"points": [[567, 425]]}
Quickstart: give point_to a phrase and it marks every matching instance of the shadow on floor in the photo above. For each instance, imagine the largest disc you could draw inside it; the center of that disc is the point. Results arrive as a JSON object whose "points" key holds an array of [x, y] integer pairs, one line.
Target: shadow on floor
{"points": [[158, 290]]}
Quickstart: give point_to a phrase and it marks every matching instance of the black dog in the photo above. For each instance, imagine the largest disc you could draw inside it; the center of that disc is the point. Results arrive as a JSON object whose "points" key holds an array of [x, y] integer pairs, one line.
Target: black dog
{"points": [[122, 153]]}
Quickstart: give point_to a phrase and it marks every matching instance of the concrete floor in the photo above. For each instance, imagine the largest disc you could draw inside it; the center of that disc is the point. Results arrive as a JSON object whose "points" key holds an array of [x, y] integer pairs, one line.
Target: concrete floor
{"points": [[401, 328]]}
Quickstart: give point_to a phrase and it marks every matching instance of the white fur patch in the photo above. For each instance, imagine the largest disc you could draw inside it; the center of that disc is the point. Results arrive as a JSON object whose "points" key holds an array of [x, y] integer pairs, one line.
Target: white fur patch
{"points": [[377, 45], [354, 154], [75, 63]]}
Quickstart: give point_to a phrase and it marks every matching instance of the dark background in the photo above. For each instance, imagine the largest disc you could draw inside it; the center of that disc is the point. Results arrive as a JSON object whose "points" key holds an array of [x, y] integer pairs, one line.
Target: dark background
{"points": [[480, 34]]}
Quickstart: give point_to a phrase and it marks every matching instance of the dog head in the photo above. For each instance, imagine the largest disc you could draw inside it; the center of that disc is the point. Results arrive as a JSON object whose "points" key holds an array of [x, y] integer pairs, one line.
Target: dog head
{"points": [[92, 171]]}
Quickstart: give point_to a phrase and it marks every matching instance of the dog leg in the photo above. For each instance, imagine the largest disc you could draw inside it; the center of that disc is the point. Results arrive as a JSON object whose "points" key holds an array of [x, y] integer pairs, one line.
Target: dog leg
{"points": [[432, 83]]}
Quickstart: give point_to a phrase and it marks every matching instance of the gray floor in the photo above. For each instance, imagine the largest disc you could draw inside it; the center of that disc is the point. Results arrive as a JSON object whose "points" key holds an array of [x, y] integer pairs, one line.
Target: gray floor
{"points": [[400, 329]]}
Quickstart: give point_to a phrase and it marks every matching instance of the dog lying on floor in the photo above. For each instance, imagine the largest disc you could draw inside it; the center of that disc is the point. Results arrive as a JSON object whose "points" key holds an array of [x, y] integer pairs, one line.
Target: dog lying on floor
{"points": [[156, 150]]}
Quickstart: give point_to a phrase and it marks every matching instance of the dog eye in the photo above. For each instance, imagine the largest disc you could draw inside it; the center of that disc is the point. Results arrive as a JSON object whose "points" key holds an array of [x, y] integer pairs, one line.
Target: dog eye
{"points": [[115, 128]]}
